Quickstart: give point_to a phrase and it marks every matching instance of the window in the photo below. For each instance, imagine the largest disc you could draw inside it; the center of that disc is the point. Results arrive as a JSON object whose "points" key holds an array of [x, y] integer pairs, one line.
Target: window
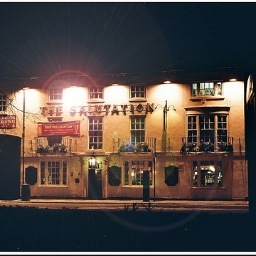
{"points": [[138, 91], [137, 130], [207, 128], [206, 89], [207, 174], [133, 171], [95, 132], [3, 103], [95, 93], [53, 173], [55, 94]]}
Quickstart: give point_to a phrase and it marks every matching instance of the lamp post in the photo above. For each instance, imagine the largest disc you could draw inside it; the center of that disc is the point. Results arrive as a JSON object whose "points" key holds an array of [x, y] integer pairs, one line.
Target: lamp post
{"points": [[165, 110], [25, 190], [23, 135]]}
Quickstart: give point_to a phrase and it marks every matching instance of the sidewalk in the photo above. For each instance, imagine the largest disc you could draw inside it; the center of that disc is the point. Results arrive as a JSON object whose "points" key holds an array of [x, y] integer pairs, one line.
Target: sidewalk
{"points": [[233, 206]]}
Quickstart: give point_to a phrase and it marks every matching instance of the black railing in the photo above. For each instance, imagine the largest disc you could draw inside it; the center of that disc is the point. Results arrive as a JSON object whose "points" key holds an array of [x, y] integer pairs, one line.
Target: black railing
{"points": [[46, 146], [199, 145], [126, 145]]}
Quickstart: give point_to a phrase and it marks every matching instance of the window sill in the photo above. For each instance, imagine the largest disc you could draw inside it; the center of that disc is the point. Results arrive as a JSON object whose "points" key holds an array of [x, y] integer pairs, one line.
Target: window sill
{"points": [[200, 98], [208, 187], [54, 102], [137, 100], [96, 101], [53, 186]]}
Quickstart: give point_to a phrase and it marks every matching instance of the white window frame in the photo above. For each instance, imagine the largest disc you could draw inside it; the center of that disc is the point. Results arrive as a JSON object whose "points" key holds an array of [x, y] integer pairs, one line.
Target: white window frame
{"points": [[53, 173], [206, 89], [133, 171], [96, 93], [95, 132], [55, 94], [138, 92], [207, 174], [3, 102]]}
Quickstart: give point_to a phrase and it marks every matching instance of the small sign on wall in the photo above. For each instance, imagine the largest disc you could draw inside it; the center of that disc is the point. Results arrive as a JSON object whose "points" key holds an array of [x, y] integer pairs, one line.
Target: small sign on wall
{"points": [[171, 175], [7, 121]]}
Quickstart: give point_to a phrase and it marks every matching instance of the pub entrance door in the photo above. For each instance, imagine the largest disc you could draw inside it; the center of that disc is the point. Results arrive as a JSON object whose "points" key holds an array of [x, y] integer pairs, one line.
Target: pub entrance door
{"points": [[94, 184]]}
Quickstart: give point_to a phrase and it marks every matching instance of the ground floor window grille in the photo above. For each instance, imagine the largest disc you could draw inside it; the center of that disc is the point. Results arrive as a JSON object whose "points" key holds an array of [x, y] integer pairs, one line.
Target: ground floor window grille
{"points": [[207, 174], [133, 172], [53, 172]]}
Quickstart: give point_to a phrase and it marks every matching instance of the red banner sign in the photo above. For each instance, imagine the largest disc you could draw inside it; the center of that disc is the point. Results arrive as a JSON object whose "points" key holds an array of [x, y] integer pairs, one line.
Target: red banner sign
{"points": [[59, 128], [7, 121]]}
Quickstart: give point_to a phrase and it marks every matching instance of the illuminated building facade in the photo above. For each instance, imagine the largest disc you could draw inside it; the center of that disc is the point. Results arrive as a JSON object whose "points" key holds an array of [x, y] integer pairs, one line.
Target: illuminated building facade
{"points": [[94, 136]]}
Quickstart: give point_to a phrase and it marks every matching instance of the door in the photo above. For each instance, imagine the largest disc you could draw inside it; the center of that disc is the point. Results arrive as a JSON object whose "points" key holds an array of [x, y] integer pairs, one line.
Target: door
{"points": [[95, 184]]}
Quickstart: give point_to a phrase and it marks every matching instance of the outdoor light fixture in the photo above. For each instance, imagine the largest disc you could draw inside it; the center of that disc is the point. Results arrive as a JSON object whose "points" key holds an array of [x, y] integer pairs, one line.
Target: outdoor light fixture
{"points": [[92, 161], [165, 109], [23, 134]]}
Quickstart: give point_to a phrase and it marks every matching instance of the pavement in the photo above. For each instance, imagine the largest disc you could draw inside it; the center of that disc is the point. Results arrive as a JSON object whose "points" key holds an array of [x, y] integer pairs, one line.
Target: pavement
{"points": [[214, 206]]}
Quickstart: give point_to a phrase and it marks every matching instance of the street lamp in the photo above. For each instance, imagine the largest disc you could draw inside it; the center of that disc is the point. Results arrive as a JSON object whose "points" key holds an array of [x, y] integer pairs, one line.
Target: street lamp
{"points": [[25, 193], [165, 110]]}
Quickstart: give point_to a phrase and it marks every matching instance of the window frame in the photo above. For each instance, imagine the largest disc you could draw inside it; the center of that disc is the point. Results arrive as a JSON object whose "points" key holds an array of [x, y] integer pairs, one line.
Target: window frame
{"points": [[55, 94], [200, 89], [95, 94], [58, 169], [3, 102], [136, 165], [194, 128], [213, 174], [138, 135], [138, 92], [95, 136]]}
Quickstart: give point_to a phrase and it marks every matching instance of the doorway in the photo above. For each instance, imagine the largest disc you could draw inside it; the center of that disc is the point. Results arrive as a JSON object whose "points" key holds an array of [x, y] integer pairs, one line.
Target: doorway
{"points": [[94, 184]]}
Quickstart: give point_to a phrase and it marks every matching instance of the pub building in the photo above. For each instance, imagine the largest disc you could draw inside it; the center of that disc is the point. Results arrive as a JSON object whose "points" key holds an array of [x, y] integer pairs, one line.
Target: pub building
{"points": [[96, 136]]}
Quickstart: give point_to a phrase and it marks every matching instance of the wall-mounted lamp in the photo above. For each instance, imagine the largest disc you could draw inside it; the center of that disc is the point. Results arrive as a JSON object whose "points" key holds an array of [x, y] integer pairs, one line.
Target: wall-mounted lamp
{"points": [[232, 79], [93, 162], [165, 109]]}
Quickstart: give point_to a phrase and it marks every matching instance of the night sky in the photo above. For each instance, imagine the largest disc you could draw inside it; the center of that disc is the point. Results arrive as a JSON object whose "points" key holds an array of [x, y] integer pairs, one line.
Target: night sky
{"points": [[40, 39]]}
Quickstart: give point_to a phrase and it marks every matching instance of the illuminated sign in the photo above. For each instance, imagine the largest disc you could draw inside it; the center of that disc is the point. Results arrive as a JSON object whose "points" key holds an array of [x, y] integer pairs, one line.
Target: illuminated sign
{"points": [[59, 128], [97, 109], [7, 121]]}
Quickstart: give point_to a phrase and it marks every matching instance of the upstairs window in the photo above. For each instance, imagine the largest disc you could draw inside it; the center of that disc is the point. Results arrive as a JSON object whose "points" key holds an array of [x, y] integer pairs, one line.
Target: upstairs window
{"points": [[95, 93], [137, 130], [206, 89], [55, 94], [137, 91], [95, 132], [3, 102]]}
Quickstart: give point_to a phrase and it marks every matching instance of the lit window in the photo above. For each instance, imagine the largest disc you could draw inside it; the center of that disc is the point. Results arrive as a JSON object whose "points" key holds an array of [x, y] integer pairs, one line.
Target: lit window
{"points": [[133, 171], [55, 94], [206, 89], [207, 131], [95, 93], [53, 173], [138, 91], [3, 103], [95, 132], [137, 130], [207, 174]]}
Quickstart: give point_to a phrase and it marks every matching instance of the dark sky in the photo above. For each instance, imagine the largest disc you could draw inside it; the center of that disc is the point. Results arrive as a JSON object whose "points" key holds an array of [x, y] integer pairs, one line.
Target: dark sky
{"points": [[39, 39]]}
